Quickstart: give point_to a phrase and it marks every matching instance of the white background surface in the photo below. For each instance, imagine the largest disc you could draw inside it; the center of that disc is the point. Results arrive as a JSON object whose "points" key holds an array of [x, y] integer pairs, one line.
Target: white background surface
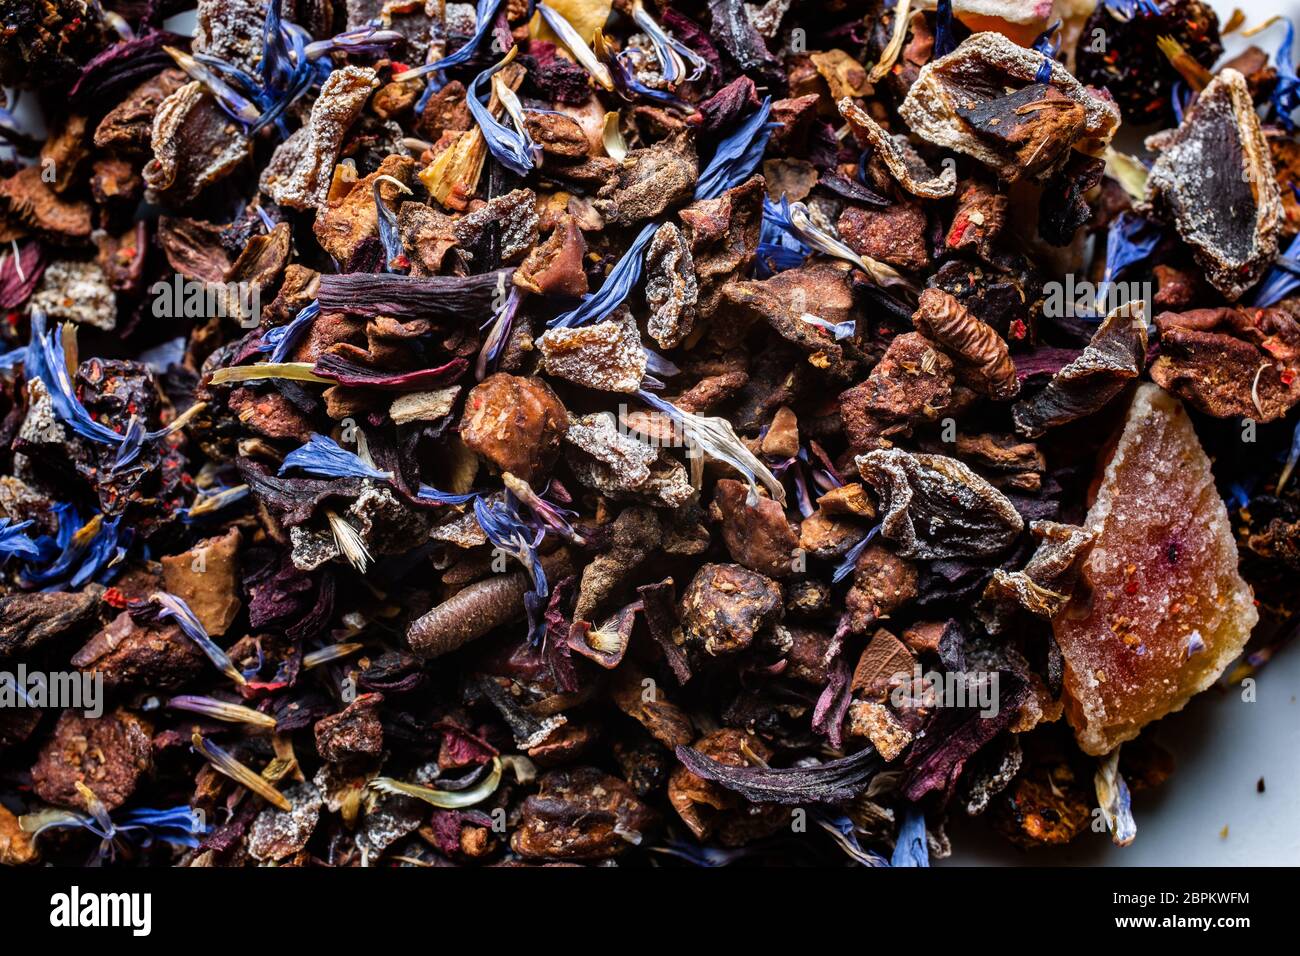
{"points": [[1221, 746]]}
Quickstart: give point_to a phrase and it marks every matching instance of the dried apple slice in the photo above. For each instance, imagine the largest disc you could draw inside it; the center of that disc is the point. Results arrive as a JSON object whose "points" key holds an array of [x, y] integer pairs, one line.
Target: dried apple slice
{"points": [[1160, 609]]}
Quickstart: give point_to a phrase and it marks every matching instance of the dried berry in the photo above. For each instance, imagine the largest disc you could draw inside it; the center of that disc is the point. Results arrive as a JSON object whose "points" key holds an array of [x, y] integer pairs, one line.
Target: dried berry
{"points": [[581, 814], [725, 606], [516, 423]]}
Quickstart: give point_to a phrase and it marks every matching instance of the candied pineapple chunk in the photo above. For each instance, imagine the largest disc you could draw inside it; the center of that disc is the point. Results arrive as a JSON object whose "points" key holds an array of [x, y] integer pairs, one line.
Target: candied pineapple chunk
{"points": [[1160, 610]]}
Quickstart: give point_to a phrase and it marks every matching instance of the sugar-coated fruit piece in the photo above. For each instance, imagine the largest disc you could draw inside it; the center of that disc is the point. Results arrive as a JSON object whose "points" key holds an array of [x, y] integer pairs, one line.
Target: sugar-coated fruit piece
{"points": [[1161, 609]]}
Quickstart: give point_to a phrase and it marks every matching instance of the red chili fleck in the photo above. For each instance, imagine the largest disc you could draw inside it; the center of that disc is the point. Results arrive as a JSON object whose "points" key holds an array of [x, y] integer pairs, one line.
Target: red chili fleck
{"points": [[1131, 586], [1018, 329], [114, 597], [959, 227], [1287, 376]]}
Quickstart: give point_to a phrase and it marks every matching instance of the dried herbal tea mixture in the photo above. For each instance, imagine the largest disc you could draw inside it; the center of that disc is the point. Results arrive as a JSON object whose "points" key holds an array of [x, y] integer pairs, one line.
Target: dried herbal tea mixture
{"points": [[657, 431]]}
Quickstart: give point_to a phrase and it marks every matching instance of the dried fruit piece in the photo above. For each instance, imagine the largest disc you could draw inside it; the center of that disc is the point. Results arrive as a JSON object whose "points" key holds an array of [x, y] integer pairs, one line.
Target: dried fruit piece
{"points": [[230, 30], [354, 733], [207, 579], [194, 144], [349, 219], [1112, 359], [883, 583], [633, 536], [977, 223], [757, 536], [723, 234], [725, 606], [276, 833], [29, 620], [1130, 64], [555, 266], [671, 289], [1230, 362], [981, 355], [958, 96], [301, 168], [711, 811], [897, 154], [516, 423], [911, 385], [130, 655], [606, 355], [1214, 177], [896, 234], [1160, 609], [1045, 584], [28, 200], [108, 753], [76, 292], [127, 127], [649, 181], [512, 219], [16, 846], [935, 507], [797, 304], [614, 463], [581, 814]]}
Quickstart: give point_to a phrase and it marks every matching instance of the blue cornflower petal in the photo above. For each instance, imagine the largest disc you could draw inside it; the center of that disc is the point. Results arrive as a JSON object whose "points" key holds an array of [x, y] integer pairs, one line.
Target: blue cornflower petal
{"points": [[1130, 240], [280, 340], [845, 832], [45, 360], [13, 543], [511, 147], [911, 849], [658, 365], [1286, 94], [509, 533], [14, 357], [1281, 280], [733, 162], [430, 493], [845, 567], [779, 248], [175, 608], [78, 553], [1045, 45], [617, 286], [323, 457], [103, 553], [945, 34], [494, 342], [1180, 95], [485, 13], [738, 155]]}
